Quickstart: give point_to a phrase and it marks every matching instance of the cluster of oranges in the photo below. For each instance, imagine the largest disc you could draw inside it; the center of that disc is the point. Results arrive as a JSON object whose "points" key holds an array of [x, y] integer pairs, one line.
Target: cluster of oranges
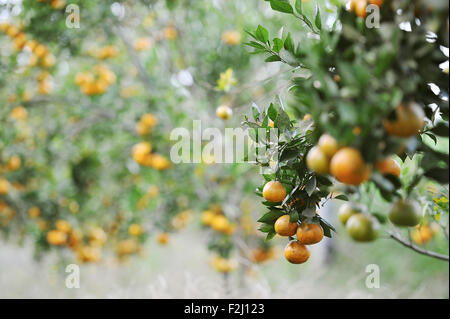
{"points": [[142, 152], [106, 52], [40, 55], [95, 83], [215, 219], [359, 6], [296, 251], [87, 248], [346, 163], [145, 125]]}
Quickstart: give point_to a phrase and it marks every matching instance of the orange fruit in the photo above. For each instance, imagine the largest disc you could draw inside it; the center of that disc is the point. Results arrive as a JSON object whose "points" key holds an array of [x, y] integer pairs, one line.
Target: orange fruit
{"points": [[34, 212], [317, 161], [296, 253], [309, 234], [388, 166], [376, 2], [56, 237], [328, 145], [163, 238], [284, 227], [362, 227], [274, 192], [346, 211], [410, 119], [224, 112], [348, 166], [422, 235], [405, 212], [135, 230]]}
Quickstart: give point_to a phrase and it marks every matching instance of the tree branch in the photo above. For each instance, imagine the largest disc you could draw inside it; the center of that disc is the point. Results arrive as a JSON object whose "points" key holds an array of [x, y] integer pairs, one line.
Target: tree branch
{"points": [[417, 249]]}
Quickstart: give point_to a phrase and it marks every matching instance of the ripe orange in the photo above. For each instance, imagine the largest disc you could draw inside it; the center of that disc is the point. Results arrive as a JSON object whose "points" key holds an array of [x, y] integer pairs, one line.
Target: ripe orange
{"points": [[328, 145], [274, 192], [296, 253], [362, 227], [317, 161], [388, 166], [63, 226], [422, 235], [5, 186], [224, 112], [56, 237], [34, 212], [163, 238], [405, 212], [376, 2], [309, 234], [135, 230], [89, 254], [359, 6], [348, 166], [284, 227], [409, 121]]}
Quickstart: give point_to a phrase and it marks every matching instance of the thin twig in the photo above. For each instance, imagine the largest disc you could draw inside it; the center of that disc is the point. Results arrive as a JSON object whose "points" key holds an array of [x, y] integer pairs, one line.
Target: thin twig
{"points": [[417, 249]]}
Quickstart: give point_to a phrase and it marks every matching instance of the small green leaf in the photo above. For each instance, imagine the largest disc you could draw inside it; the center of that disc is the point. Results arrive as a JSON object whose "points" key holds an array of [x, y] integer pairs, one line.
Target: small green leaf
{"points": [[298, 6], [273, 58], [288, 43], [262, 34], [281, 6], [341, 197], [272, 112], [277, 45], [318, 19]]}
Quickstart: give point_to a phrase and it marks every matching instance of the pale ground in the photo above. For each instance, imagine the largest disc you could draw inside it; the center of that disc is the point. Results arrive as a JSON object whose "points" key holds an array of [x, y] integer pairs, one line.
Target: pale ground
{"points": [[181, 270]]}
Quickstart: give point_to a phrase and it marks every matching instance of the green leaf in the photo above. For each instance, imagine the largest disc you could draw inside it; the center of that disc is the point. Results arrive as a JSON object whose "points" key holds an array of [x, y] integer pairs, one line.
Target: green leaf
{"points": [[277, 45], [273, 58], [288, 43], [281, 6], [270, 235], [440, 175], [318, 19], [282, 121], [298, 6], [341, 197], [255, 45], [272, 112], [271, 217], [441, 129], [262, 34], [293, 216], [266, 228], [256, 112]]}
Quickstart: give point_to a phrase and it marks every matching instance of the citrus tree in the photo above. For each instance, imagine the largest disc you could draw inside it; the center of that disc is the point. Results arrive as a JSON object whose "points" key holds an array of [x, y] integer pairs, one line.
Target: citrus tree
{"points": [[368, 95], [87, 114]]}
